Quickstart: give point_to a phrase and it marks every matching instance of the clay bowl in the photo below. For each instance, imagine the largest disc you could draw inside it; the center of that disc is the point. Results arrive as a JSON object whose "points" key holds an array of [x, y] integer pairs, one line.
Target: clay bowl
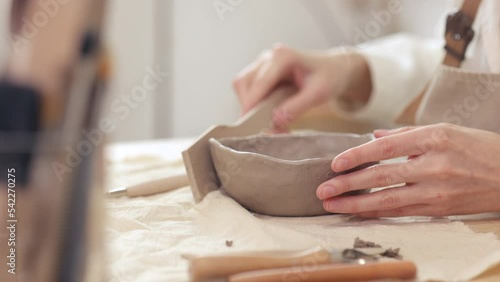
{"points": [[278, 174]]}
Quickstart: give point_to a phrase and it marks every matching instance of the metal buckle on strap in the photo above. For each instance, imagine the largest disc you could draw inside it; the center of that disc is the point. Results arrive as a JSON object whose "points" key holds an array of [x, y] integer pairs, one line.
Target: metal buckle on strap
{"points": [[458, 29]]}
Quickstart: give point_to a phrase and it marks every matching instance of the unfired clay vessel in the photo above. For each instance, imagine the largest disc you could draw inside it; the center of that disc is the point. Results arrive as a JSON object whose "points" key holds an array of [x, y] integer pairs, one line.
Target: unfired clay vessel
{"points": [[278, 174]]}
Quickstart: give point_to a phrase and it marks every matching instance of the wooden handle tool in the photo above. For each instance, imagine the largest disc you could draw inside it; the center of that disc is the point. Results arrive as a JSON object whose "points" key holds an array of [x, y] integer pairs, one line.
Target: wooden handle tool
{"points": [[332, 272], [152, 187], [211, 267], [198, 159]]}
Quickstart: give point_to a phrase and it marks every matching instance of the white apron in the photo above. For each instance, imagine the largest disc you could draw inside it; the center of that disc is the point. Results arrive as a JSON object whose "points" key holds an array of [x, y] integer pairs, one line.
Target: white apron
{"points": [[462, 97]]}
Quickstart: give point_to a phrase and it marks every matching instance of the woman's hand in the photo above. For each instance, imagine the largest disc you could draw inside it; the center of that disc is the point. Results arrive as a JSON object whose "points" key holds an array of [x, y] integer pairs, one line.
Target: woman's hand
{"points": [[451, 170], [318, 76]]}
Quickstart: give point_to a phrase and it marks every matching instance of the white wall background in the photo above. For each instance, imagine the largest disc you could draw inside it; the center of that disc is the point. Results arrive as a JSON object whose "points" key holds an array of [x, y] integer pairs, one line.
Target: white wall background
{"points": [[130, 36], [209, 48], [203, 49]]}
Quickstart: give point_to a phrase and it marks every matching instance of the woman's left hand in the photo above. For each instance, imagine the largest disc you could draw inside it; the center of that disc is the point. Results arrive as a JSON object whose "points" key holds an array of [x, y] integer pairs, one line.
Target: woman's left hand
{"points": [[451, 170]]}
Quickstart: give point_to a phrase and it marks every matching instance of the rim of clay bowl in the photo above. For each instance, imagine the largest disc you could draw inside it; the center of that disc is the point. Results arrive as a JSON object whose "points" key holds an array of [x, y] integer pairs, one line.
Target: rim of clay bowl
{"points": [[217, 142]]}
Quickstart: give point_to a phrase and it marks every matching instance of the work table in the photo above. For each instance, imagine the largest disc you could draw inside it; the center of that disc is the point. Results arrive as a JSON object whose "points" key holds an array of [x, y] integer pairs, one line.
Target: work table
{"points": [[165, 225]]}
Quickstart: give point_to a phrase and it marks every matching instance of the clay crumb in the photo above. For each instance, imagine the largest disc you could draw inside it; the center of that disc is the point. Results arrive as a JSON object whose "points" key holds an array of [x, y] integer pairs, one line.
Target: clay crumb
{"points": [[388, 253], [229, 243], [392, 253], [358, 243]]}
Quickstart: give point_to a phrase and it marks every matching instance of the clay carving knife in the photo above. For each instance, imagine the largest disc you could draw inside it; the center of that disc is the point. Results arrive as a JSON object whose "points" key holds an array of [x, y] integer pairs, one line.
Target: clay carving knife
{"points": [[400, 270], [197, 158], [223, 266]]}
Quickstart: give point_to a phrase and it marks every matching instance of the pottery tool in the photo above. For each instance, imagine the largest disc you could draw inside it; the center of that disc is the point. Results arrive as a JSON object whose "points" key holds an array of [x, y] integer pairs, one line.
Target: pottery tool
{"points": [[151, 187], [58, 207], [197, 158], [223, 266], [332, 273], [201, 173]]}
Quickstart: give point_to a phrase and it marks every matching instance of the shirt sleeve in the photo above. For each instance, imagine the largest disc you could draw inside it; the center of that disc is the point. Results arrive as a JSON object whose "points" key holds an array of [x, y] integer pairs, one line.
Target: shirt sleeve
{"points": [[400, 67]]}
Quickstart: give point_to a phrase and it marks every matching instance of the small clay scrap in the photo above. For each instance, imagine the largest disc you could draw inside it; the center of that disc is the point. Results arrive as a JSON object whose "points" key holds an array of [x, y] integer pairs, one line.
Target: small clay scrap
{"points": [[389, 253], [392, 253], [229, 243], [358, 243]]}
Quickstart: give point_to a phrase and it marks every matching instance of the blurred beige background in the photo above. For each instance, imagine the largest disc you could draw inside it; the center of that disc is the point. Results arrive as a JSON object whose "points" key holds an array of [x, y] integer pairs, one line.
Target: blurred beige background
{"points": [[203, 44]]}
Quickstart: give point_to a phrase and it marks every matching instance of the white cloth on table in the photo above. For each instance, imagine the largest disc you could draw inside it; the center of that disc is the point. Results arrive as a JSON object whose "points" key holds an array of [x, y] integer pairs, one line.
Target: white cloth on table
{"points": [[147, 236]]}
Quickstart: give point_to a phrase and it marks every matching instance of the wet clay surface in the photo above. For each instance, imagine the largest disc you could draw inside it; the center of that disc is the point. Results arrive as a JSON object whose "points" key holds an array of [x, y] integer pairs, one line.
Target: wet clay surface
{"points": [[278, 174]]}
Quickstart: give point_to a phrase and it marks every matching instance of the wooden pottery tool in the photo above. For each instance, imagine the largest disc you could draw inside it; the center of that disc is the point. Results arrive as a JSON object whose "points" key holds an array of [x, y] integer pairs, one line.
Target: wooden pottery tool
{"points": [[332, 273], [223, 266], [197, 159], [201, 174], [152, 187]]}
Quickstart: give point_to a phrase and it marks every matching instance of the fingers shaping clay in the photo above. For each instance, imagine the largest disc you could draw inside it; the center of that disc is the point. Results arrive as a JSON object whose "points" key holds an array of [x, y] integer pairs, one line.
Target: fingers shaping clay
{"points": [[278, 174]]}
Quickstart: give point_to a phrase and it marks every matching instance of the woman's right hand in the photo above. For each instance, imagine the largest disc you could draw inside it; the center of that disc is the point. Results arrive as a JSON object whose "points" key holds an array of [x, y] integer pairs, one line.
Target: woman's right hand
{"points": [[318, 76]]}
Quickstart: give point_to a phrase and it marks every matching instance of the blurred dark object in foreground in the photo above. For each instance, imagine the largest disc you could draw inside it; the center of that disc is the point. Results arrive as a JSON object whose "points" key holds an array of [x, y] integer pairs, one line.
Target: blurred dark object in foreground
{"points": [[51, 90]]}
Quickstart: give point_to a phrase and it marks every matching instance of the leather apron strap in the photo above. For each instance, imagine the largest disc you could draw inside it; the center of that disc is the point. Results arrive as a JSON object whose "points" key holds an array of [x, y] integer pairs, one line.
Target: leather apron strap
{"points": [[458, 35]]}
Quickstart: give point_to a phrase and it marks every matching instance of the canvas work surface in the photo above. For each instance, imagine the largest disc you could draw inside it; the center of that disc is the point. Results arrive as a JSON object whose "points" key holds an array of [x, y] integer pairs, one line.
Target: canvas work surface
{"points": [[148, 236]]}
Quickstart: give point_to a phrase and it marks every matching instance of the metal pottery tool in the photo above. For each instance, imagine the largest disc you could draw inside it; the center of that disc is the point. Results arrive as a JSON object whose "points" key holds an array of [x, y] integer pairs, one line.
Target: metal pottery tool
{"points": [[223, 266], [197, 158]]}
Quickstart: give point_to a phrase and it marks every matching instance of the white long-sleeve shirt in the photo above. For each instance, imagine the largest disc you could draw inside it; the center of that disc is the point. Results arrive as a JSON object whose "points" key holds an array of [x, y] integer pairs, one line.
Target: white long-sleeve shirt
{"points": [[402, 64]]}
